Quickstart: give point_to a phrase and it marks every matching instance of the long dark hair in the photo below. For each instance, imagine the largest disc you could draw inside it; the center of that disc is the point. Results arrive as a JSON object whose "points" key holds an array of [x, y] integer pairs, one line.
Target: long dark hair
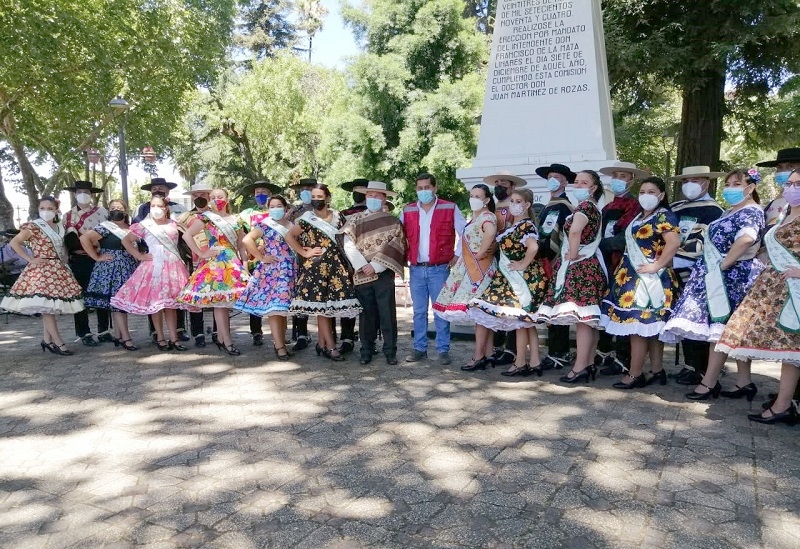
{"points": [[54, 201], [658, 182], [598, 193], [745, 176], [486, 194]]}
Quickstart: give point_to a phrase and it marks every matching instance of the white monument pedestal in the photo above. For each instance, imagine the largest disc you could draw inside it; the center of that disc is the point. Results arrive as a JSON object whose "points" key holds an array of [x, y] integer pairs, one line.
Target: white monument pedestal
{"points": [[547, 96]]}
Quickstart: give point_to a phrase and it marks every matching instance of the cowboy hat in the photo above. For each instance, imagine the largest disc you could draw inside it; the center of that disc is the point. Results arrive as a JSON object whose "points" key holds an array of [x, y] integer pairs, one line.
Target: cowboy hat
{"points": [[201, 187], [158, 181], [698, 171], [629, 167], [248, 190], [307, 182], [83, 186], [348, 185], [784, 155], [542, 171], [508, 176], [377, 186]]}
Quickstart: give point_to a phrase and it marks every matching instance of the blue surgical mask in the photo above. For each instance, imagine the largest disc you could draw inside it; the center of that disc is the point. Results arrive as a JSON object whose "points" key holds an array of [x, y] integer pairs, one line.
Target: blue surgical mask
{"points": [[553, 184], [782, 177], [618, 186], [733, 195], [305, 196], [277, 213], [262, 199], [425, 196], [581, 194], [374, 204]]}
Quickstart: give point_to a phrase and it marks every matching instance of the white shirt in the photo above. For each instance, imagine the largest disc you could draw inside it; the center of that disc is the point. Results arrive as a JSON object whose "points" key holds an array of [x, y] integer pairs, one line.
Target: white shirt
{"points": [[425, 218]]}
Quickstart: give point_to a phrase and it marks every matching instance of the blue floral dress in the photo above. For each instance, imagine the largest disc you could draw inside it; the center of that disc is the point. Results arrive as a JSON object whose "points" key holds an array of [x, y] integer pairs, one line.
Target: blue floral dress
{"points": [[271, 284], [690, 317], [109, 276], [621, 315]]}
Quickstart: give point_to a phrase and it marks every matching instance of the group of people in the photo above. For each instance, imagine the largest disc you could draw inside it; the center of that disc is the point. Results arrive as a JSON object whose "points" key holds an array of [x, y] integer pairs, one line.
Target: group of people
{"points": [[630, 276]]}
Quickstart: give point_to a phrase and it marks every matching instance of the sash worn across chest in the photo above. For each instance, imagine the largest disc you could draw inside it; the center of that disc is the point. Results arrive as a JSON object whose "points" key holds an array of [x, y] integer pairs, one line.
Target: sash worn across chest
{"points": [[782, 260], [161, 235], [56, 237], [115, 229], [515, 278], [649, 290], [585, 252], [476, 268], [275, 226], [224, 226], [719, 305]]}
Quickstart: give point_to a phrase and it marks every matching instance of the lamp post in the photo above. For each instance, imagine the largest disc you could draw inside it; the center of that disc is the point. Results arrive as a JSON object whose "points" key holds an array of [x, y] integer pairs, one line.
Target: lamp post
{"points": [[121, 106]]}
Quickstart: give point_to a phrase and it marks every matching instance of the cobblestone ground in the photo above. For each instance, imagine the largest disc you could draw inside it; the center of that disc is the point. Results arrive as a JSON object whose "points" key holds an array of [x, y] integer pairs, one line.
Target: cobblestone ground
{"points": [[110, 448]]}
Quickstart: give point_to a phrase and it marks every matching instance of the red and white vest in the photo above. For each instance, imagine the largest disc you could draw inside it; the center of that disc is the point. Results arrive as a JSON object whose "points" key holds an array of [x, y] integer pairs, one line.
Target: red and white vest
{"points": [[442, 234]]}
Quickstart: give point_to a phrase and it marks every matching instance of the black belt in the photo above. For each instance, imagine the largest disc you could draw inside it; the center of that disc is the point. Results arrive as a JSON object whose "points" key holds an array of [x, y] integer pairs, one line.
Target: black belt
{"points": [[426, 264]]}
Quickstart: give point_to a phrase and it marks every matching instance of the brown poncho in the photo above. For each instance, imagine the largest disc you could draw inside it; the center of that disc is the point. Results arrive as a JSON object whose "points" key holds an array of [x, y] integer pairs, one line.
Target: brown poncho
{"points": [[379, 236]]}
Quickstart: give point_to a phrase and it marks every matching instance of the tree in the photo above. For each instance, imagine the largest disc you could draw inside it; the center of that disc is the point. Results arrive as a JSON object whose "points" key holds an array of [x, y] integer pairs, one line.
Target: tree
{"points": [[702, 47], [264, 28], [312, 16]]}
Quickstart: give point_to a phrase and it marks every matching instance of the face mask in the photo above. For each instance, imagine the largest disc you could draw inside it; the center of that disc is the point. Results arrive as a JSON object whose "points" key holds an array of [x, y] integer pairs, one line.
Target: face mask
{"points": [[116, 215], [691, 190], [157, 213], [426, 196], [47, 215], [618, 186], [553, 184], [782, 177], [262, 199], [317, 204], [733, 195], [581, 194], [792, 195], [200, 202], [305, 196], [501, 193], [220, 204], [517, 210], [476, 204], [648, 201], [277, 213], [374, 204], [83, 198]]}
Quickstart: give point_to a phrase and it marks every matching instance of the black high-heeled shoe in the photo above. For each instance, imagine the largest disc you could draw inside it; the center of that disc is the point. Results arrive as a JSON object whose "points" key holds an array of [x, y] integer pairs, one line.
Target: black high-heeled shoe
{"points": [[280, 356], [748, 391], [108, 338], [517, 371], [634, 383], [318, 349], [60, 349], [45, 346], [712, 392], [479, 364], [658, 377], [176, 346], [128, 345], [328, 353], [582, 376], [162, 345], [232, 350], [788, 416]]}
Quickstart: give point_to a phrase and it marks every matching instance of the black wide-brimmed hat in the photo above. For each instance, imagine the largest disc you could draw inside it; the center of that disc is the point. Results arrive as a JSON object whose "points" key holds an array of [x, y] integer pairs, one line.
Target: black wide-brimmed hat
{"points": [[542, 172], [248, 190], [158, 181], [784, 155], [306, 182], [84, 186], [359, 182]]}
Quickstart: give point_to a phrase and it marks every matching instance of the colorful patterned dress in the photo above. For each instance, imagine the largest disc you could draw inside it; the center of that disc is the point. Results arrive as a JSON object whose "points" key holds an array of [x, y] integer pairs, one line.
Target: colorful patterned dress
{"points": [[690, 317], [155, 284], [109, 276], [585, 285], [324, 286], [500, 305], [220, 280], [271, 285], [629, 308], [49, 288], [753, 330], [461, 285]]}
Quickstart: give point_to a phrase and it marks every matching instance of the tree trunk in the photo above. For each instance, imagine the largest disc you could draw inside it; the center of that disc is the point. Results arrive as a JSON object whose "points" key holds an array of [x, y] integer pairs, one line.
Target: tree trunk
{"points": [[6, 208], [701, 120], [29, 176]]}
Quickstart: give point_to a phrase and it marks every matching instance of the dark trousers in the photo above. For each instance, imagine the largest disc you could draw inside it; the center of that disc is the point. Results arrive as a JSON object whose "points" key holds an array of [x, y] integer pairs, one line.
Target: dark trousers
{"points": [[377, 299], [81, 266], [505, 340], [299, 326], [557, 340], [197, 324], [621, 345], [348, 328], [695, 354], [255, 325]]}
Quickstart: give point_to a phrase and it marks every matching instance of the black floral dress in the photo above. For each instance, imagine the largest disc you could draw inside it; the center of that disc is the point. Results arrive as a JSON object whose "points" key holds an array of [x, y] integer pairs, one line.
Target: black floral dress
{"points": [[324, 286], [109, 276]]}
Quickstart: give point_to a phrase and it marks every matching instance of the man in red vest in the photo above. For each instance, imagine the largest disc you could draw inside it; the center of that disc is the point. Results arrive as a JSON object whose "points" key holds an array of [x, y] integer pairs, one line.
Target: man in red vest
{"points": [[431, 225]]}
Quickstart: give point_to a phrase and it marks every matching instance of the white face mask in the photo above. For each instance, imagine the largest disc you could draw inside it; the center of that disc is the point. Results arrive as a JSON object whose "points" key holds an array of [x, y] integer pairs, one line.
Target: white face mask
{"points": [[83, 198], [157, 212], [476, 204], [517, 210], [47, 215], [691, 190], [648, 201]]}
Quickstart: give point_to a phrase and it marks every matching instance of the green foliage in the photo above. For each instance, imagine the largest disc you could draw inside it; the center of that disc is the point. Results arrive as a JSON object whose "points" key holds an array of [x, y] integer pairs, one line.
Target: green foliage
{"points": [[264, 27]]}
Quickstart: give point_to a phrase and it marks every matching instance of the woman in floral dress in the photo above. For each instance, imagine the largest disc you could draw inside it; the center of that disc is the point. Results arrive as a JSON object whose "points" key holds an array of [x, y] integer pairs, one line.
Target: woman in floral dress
{"points": [[579, 281], [720, 280], [153, 287], [112, 268], [269, 292], [766, 325], [518, 286], [643, 287], [324, 286], [220, 277], [472, 273], [46, 286]]}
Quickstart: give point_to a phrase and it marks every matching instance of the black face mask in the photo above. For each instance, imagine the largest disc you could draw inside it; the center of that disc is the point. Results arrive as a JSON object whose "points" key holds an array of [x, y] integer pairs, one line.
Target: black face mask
{"points": [[317, 204], [200, 202], [116, 215], [501, 193]]}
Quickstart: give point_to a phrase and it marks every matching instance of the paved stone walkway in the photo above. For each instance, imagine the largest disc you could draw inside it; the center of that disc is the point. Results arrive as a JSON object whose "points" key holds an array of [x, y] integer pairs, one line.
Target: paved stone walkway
{"points": [[116, 449]]}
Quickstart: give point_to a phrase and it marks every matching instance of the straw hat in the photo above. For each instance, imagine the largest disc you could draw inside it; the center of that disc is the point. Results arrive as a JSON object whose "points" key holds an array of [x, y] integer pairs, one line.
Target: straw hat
{"points": [[698, 171], [629, 167], [508, 176], [377, 186], [201, 187]]}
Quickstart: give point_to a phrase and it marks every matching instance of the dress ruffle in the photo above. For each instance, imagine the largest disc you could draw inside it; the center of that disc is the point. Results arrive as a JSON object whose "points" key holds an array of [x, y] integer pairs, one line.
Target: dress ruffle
{"points": [[567, 314], [33, 305]]}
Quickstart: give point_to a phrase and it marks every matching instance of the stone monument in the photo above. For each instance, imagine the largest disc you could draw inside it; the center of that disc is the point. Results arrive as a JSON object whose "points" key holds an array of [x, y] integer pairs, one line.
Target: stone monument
{"points": [[547, 97]]}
